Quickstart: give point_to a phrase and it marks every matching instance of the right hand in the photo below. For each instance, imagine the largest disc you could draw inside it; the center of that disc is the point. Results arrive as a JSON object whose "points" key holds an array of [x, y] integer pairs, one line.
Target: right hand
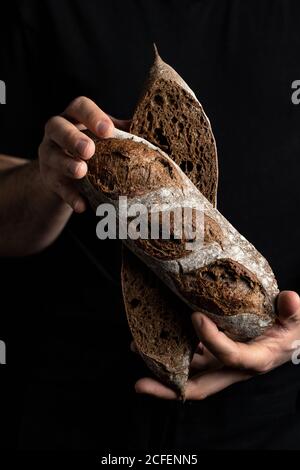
{"points": [[64, 149]]}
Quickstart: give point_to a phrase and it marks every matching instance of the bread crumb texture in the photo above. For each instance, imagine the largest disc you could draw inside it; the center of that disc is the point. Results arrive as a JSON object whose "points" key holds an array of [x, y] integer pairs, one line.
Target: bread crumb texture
{"points": [[164, 334], [170, 118]]}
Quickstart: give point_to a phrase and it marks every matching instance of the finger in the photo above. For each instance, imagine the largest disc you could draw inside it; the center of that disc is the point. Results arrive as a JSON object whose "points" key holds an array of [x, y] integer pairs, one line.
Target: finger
{"points": [[133, 347], [204, 362], [68, 137], [85, 111], [214, 340], [152, 387], [204, 385], [64, 165], [198, 387], [199, 348], [288, 305], [253, 356], [67, 193], [123, 124]]}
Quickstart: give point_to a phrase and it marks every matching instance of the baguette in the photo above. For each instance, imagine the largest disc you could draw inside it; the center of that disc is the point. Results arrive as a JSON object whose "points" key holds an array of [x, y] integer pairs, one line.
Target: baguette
{"points": [[169, 116], [226, 277]]}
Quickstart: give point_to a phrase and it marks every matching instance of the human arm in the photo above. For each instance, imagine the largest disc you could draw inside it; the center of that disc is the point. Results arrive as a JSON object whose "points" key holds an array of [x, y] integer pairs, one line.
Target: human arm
{"points": [[37, 198]]}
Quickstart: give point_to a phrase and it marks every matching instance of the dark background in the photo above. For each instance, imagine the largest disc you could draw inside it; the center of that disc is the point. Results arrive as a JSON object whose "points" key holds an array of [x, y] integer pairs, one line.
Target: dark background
{"points": [[69, 366]]}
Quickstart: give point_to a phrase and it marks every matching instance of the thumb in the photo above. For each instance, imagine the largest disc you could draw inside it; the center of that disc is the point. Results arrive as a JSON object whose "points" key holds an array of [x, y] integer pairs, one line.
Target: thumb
{"points": [[288, 305]]}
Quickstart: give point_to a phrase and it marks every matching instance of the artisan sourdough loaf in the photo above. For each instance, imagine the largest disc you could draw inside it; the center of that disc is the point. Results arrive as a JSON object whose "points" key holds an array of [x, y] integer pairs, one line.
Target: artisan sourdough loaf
{"points": [[225, 277], [169, 115]]}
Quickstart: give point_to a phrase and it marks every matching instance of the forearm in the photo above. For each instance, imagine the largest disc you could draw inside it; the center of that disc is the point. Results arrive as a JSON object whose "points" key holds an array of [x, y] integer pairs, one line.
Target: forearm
{"points": [[31, 217]]}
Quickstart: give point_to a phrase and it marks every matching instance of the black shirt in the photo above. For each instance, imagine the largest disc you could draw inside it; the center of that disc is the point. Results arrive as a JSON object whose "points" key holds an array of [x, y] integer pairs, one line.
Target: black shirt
{"points": [[240, 58]]}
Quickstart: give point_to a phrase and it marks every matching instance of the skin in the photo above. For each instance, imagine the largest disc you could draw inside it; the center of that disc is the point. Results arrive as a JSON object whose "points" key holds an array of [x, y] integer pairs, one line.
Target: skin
{"points": [[65, 150], [41, 207], [32, 217]]}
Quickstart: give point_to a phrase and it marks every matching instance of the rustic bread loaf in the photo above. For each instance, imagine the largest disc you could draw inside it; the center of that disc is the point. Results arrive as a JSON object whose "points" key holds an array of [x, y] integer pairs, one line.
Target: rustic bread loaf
{"points": [[169, 115], [226, 277], [152, 308]]}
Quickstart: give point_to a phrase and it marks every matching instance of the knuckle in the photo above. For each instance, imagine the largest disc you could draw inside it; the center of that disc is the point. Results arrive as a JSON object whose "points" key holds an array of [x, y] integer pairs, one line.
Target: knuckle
{"points": [[51, 125], [92, 117], [79, 102], [70, 138]]}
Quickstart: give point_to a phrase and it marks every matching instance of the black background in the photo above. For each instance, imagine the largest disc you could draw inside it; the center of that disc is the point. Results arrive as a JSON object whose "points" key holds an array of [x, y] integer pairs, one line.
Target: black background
{"points": [[69, 366]]}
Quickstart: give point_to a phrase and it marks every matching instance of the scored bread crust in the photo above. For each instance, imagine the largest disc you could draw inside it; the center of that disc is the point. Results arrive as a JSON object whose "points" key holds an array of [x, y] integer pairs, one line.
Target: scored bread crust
{"points": [[244, 271], [202, 169], [245, 281]]}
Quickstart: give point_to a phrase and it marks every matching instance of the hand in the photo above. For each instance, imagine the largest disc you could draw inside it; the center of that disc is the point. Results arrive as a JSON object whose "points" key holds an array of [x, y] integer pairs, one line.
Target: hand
{"points": [[223, 362], [64, 150]]}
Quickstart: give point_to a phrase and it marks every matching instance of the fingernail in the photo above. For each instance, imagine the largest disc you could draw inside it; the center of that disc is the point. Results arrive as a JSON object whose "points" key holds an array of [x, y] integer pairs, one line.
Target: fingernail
{"points": [[197, 320], [102, 127], [81, 146], [79, 169], [199, 316], [77, 206]]}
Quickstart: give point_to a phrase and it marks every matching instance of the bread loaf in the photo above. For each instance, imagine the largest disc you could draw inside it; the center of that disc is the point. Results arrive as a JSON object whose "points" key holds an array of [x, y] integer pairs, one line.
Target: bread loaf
{"points": [[224, 283], [226, 277], [168, 115]]}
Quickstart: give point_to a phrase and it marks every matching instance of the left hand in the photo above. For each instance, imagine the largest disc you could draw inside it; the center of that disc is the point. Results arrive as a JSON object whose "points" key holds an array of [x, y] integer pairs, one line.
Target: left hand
{"points": [[223, 362]]}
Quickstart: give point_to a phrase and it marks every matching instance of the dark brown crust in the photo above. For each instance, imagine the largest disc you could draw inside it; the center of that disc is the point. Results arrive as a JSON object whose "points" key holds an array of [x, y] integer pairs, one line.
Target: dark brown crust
{"points": [[168, 249], [140, 169], [202, 169], [212, 231], [224, 288]]}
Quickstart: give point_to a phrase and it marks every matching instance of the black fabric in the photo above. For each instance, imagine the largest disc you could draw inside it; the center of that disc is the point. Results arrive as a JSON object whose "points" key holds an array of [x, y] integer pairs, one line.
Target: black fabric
{"points": [[70, 376]]}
